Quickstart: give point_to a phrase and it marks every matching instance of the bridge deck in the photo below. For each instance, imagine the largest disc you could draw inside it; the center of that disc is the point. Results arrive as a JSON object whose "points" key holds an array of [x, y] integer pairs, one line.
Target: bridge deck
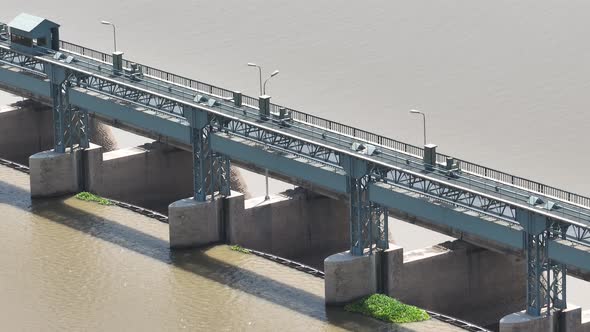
{"points": [[335, 139], [339, 141]]}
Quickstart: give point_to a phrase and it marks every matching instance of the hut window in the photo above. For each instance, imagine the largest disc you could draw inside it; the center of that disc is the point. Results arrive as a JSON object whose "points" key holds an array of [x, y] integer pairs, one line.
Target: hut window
{"points": [[21, 40]]}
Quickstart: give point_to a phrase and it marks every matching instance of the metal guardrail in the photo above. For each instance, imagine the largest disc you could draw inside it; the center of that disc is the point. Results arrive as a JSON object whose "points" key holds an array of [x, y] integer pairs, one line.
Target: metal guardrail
{"points": [[341, 128]]}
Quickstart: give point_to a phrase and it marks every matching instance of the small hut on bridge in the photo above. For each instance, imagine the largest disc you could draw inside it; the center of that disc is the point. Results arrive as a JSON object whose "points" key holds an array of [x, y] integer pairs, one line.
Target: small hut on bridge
{"points": [[28, 31]]}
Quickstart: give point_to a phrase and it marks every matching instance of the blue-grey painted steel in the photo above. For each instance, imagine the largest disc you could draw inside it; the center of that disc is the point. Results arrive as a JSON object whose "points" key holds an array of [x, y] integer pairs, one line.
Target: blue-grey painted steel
{"points": [[569, 253], [546, 278], [460, 219], [147, 120], [332, 126], [368, 220], [211, 170], [35, 86], [306, 170], [372, 170]]}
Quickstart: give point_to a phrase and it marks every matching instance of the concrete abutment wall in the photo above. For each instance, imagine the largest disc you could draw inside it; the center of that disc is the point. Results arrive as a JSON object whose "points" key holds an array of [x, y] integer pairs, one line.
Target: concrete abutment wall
{"points": [[293, 224], [453, 278], [25, 131], [457, 279], [152, 176]]}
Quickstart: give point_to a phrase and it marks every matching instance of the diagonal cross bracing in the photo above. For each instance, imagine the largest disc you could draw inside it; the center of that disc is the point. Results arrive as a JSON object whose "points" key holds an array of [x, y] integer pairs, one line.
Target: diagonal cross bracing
{"points": [[29, 63], [310, 147], [329, 147]]}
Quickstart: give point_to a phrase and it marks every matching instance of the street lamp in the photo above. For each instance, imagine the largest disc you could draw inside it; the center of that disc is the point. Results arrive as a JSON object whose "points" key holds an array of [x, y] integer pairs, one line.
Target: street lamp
{"points": [[274, 73], [424, 119], [114, 32], [259, 73], [262, 93]]}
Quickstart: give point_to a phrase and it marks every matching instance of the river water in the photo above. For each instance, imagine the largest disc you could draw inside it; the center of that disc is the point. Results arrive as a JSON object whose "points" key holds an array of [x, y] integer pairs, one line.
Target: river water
{"points": [[69, 265], [503, 83]]}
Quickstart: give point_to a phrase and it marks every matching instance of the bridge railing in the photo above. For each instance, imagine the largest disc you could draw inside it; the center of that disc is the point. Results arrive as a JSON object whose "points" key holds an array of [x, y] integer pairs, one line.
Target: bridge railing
{"points": [[340, 128], [97, 55]]}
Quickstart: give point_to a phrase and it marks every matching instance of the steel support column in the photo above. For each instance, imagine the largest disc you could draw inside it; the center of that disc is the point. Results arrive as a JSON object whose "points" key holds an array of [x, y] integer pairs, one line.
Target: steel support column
{"points": [[368, 221], [360, 218], [199, 141], [211, 171], [557, 287], [546, 279], [70, 124]]}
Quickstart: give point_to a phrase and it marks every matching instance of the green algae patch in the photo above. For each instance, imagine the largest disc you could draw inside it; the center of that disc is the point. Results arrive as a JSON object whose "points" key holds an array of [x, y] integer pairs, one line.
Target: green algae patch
{"points": [[86, 196], [387, 309], [238, 248]]}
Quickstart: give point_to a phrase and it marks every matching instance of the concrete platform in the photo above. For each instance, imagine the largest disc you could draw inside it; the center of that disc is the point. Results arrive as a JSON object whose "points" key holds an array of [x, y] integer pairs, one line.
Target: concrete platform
{"points": [[349, 277], [522, 322], [54, 174], [571, 319], [194, 224]]}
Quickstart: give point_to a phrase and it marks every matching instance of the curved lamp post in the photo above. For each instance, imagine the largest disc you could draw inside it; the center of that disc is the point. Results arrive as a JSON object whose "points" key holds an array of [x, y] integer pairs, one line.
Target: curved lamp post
{"points": [[250, 64], [424, 120], [114, 32], [274, 73]]}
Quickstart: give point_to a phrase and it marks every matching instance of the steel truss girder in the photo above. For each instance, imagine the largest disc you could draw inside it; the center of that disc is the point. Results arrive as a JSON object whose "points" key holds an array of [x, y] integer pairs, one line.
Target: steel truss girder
{"points": [[28, 62], [278, 141], [317, 152], [70, 123], [129, 94], [244, 129], [481, 203]]}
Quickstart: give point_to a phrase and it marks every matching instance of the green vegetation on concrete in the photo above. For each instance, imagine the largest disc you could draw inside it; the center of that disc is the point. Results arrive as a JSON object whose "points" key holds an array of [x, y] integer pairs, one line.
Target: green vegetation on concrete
{"points": [[387, 309], [237, 248], [86, 196]]}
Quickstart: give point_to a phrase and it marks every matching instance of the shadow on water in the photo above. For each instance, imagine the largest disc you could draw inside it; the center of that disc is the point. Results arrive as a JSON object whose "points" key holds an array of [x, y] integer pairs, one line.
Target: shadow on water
{"points": [[194, 261]]}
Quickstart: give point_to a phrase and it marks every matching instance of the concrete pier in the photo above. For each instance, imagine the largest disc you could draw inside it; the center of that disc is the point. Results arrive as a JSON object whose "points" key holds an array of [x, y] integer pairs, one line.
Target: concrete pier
{"points": [[571, 319], [521, 322], [349, 277], [193, 223], [55, 174]]}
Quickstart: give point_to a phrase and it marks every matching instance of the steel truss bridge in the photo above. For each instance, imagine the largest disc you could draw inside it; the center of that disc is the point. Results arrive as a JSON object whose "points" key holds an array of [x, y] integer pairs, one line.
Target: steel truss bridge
{"points": [[375, 173]]}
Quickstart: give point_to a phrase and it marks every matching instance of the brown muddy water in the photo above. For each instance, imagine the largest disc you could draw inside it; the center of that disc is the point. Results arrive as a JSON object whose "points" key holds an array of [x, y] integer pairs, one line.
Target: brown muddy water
{"points": [[67, 264]]}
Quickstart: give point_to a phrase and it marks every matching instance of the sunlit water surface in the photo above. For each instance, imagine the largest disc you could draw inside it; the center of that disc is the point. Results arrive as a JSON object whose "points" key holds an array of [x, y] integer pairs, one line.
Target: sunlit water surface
{"points": [[69, 265]]}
